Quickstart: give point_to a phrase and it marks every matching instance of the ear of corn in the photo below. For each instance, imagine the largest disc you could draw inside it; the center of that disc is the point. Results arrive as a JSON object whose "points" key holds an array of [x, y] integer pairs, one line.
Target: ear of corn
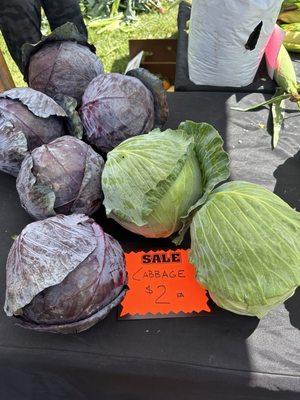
{"points": [[292, 37], [289, 2], [286, 79], [291, 15], [290, 5], [293, 47], [285, 75], [295, 27], [292, 42]]}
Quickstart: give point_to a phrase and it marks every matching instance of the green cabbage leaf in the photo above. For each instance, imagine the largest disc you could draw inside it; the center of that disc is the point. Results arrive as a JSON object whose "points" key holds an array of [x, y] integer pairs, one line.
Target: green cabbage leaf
{"points": [[152, 182], [246, 248]]}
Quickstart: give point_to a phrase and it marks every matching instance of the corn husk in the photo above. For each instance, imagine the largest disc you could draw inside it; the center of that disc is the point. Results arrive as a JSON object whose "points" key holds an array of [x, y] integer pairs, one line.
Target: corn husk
{"points": [[292, 37], [292, 47], [292, 42], [290, 5], [286, 3], [290, 16], [285, 75], [286, 79], [295, 27], [277, 109]]}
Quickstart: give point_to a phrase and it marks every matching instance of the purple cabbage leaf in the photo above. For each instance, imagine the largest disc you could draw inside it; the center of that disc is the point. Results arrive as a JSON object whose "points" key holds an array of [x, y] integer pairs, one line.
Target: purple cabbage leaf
{"points": [[61, 63], [114, 108], [63, 275], [154, 84], [62, 177], [28, 119]]}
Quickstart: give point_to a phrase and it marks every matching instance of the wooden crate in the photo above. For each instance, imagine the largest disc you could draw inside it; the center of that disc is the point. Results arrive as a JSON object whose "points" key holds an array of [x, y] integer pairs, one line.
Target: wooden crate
{"points": [[160, 56], [6, 80]]}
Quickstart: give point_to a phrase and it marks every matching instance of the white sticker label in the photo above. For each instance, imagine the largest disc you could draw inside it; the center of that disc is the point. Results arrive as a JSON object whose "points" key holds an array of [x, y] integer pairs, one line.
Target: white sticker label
{"points": [[135, 62]]}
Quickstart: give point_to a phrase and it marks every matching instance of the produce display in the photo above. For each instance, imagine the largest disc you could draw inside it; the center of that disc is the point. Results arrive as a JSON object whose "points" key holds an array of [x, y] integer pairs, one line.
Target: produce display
{"points": [[28, 119], [246, 248], [116, 107], [64, 274], [62, 177], [151, 181], [61, 63]]}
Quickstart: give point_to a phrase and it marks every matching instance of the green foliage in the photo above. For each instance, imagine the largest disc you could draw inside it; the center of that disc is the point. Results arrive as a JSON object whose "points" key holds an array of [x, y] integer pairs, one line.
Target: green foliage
{"points": [[112, 42], [108, 8]]}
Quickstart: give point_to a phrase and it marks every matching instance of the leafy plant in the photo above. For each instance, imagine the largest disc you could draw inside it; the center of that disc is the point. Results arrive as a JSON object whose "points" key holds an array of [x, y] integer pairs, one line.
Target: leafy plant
{"points": [[108, 8]]}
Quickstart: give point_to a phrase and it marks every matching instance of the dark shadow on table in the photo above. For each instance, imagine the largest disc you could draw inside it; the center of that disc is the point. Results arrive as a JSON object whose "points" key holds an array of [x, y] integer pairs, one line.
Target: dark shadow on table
{"points": [[292, 306], [287, 187], [131, 241], [54, 380], [287, 177], [199, 107], [149, 359]]}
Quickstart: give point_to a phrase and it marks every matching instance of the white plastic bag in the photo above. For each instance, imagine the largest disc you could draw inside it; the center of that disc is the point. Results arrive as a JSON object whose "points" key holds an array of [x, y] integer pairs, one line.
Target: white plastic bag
{"points": [[219, 31]]}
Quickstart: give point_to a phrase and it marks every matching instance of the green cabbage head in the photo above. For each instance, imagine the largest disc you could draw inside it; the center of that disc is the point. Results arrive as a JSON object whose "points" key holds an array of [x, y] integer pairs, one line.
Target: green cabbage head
{"points": [[151, 181], [246, 248]]}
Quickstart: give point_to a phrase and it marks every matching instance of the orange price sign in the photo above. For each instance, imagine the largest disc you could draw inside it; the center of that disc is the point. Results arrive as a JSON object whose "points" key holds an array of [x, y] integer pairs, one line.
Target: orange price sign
{"points": [[162, 284]]}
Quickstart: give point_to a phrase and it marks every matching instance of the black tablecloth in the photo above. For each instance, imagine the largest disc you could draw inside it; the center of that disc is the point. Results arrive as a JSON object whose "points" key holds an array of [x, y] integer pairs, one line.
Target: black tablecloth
{"points": [[221, 356], [261, 84]]}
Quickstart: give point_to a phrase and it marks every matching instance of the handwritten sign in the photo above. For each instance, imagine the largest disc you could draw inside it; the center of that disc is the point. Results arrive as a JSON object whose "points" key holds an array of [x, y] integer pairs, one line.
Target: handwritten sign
{"points": [[162, 284]]}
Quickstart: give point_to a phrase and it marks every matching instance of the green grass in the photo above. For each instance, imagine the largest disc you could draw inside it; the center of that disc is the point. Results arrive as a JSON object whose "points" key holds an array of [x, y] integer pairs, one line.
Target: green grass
{"points": [[111, 42]]}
